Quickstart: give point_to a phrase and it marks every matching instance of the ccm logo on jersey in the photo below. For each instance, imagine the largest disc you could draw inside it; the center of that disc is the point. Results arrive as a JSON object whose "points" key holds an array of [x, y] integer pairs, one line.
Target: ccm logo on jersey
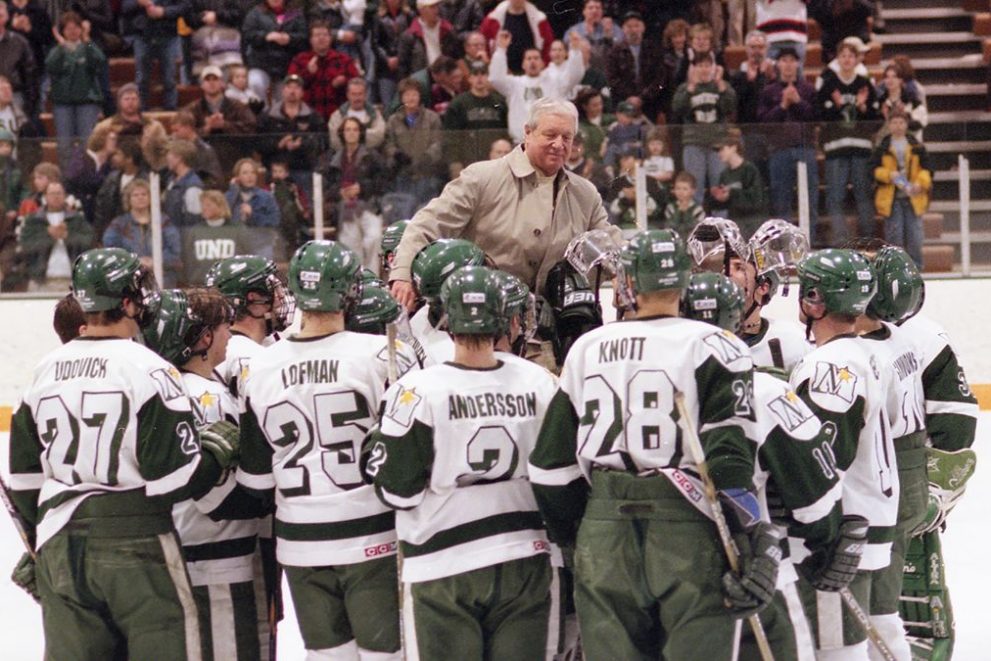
{"points": [[380, 549], [541, 545], [686, 486]]}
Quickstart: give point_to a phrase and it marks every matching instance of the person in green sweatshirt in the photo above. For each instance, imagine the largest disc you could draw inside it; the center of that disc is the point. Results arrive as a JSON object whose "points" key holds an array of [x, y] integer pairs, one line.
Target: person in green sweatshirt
{"points": [[739, 194], [74, 66]]}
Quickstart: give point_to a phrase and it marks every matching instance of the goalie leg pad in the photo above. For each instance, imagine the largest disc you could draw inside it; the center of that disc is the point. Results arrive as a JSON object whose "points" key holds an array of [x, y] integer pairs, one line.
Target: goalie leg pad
{"points": [[925, 602]]}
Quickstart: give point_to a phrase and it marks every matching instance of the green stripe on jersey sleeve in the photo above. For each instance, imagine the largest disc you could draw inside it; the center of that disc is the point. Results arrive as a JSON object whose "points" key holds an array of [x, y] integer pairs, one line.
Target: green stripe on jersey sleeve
{"points": [[726, 414], [255, 465], [26, 472], [846, 425], [167, 442], [951, 408], [401, 466]]}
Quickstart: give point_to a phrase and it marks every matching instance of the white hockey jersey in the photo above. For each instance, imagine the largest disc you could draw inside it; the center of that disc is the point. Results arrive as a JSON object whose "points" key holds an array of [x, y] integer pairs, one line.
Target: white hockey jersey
{"points": [[451, 456], [437, 345], [216, 552], [898, 349], [240, 350], [780, 343], [307, 405], [850, 386], [101, 415]]}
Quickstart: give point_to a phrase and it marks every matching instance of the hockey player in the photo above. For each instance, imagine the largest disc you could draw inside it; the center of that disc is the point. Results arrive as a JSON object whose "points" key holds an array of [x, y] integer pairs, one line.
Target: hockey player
{"points": [[899, 292], [263, 308], [792, 481], [650, 574], [854, 391], [451, 457], [191, 331], [391, 236], [717, 246], [308, 402], [102, 443], [431, 267], [520, 317], [374, 312], [951, 423]]}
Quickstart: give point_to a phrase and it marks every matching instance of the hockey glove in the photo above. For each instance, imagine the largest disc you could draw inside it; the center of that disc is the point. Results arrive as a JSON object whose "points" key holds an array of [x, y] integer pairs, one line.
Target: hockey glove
{"points": [[760, 554], [832, 570], [24, 577], [223, 440], [948, 474]]}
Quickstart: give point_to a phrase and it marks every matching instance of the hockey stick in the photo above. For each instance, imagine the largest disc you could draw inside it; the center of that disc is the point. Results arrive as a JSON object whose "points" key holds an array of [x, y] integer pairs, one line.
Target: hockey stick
{"points": [[732, 555], [865, 621], [16, 517], [390, 335]]}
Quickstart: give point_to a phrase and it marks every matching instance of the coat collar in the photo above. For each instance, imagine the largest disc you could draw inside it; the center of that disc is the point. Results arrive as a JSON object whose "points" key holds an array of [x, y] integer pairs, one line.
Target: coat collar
{"points": [[521, 166]]}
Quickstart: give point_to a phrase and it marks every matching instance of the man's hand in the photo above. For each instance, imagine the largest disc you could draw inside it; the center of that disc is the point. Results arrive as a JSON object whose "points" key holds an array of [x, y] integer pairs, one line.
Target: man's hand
{"points": [[392, 63], [58, 232], [342, 80], [24, 576], [403, 292], [58, 36], [223, 440], [209, 18], [245, 210], [832, 570], [154, 11], [837, 99], [344, 36], [215, 121], [503, 39], [313, 65], [862, 94]]}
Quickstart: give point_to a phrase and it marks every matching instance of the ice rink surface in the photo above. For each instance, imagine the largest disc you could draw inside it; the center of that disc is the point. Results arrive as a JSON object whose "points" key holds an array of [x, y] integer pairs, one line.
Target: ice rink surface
{"points": [[967, 545]]}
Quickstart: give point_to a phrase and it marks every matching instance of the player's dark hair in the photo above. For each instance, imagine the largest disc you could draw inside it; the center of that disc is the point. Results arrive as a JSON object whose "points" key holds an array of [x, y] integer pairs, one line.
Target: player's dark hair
{"points": [[475, 342], [209, 306], [105, 317], [68, 318]]}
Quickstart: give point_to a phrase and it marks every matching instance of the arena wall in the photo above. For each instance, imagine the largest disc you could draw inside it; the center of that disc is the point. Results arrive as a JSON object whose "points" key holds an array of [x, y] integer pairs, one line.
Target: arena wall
{"points": [[962, 306]]}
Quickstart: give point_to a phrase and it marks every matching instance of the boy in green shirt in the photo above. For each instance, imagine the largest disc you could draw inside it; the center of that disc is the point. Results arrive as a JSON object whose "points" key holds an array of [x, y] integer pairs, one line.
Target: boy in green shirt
{"points": [[740, 192], [682, 214]]}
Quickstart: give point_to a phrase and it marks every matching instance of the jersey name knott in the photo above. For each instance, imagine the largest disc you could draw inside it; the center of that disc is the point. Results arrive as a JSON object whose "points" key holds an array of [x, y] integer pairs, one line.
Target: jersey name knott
{"points": [[626, 348], [489, 404]]}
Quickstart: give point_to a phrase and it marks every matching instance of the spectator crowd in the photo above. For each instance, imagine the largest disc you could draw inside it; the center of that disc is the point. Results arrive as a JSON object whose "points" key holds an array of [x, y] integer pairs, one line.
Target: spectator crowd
{"points": [[235, 103]]}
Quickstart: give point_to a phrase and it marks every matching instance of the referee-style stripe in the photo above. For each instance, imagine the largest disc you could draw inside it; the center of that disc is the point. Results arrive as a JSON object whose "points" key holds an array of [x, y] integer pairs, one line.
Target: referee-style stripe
{"points": [[411, 651], [555, 630], [829, 615], [222, 623], [177, 571], [804, 645]]}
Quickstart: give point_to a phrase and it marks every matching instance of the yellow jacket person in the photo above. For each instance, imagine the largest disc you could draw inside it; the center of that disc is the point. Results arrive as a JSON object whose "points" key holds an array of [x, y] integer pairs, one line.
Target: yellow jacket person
{"points": [[914, 178]]}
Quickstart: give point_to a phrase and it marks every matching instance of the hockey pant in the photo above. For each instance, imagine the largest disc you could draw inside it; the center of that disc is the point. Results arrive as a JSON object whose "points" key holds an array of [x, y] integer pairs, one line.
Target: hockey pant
{"points": [[910, 454], [233, 621], [348, 611], [497, 612], [648, 574], [787, 627], [106, 596], [925, 600]]}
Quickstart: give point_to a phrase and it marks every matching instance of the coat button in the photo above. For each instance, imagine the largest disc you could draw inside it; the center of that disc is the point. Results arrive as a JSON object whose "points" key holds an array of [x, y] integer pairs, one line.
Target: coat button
{"points": [[537, 232]]}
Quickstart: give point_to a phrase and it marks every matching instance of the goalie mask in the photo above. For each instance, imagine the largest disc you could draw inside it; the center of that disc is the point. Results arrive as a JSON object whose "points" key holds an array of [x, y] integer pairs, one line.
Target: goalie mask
{"points": [[574, 308], [713, 242], [776, 247], [595, 255]]}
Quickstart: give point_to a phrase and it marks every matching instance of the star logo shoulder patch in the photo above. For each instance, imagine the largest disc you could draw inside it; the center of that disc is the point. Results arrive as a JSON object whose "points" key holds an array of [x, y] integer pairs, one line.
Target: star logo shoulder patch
{"points": [[834, 380], [403, 406]]}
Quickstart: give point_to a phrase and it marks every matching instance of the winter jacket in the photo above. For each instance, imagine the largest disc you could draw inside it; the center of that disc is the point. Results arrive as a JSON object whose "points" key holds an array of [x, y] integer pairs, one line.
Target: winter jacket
{"points": [[374, 128], [320, 93], [847, 131], [414, 150], [40, 37], [543, 33], [75, 74], [181, 201], [490, 204], [266, 55], [705, 113], [36, 244], [795, 126], [917, 171], [18, 65], [413, 50], [387, 30], [124, 232], [264, 210], [370, 173], [650, 84], [308, 125]]}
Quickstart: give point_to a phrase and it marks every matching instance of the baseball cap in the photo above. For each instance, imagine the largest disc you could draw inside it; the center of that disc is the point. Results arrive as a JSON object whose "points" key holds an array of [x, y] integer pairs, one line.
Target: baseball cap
{"points": [[626, 108], [857, 43], [211, 70], [477, 67], [6, 136], [427, 3], [632, 15], [293, 78]]}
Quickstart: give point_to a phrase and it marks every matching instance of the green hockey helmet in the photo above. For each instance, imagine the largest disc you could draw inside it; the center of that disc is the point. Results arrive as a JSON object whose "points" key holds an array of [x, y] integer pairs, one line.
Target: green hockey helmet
{"points": [[324, 276], [841, 279], [177, 320], [373, 311], [391, 236], [474, 301], [435, 262], [103, 277], [369, 278], [900, 287], [655, 260], [240, 275], [519, 303], [714, 299]]}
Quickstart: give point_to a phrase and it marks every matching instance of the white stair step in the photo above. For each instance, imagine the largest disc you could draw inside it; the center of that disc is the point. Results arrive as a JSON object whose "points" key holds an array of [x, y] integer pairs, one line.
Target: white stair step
{"points": [[962, 146], [957, 89], [954, 175], [957, 116], [922, 14], [954, 238], [953, 206], [926, 38], [969, 61]]}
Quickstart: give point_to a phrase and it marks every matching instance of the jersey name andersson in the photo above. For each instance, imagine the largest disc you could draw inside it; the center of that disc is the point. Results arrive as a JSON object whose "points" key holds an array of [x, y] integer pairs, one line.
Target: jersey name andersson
{"points": [[486, 405]]}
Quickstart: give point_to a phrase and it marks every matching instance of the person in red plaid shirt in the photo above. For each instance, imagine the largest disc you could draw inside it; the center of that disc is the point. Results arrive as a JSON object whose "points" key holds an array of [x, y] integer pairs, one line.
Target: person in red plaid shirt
{"points": [[325, 71]]}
